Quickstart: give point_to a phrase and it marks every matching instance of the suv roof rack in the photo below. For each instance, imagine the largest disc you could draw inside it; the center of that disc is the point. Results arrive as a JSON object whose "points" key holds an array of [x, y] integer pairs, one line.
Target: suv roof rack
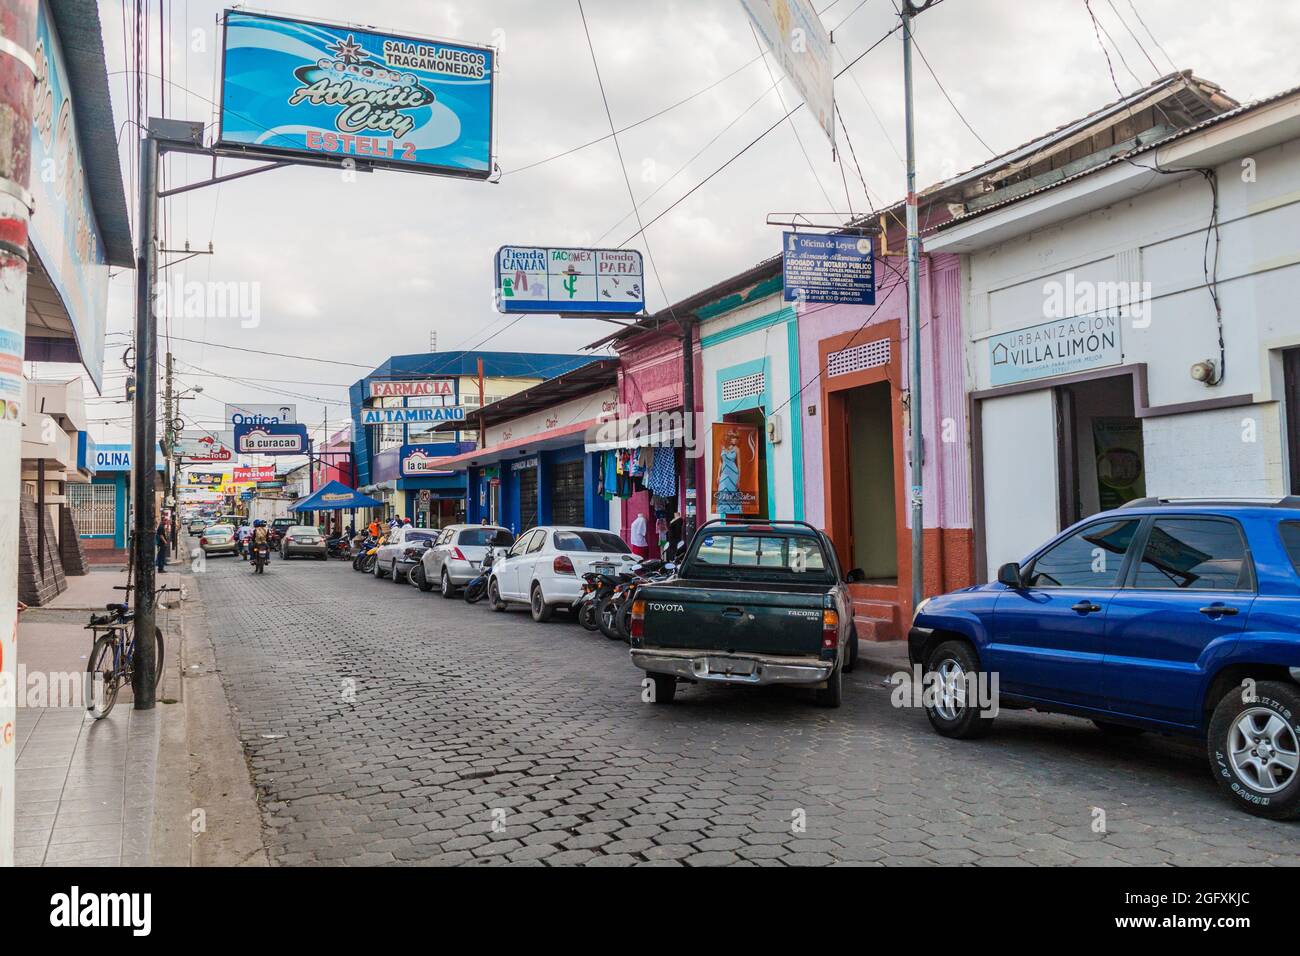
{"points": [[1289, 501]]}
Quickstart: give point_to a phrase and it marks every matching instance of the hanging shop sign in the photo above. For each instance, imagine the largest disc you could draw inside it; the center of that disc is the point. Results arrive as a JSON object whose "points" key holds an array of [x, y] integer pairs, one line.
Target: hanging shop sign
{"points": [[1055, 348], [302, 87], [204, 479], [821, 268], [261, 414], [419, 461], [271, 485], [735, 469], [279, 439], [794, 33], [202, 446], [578, 281], [257, 473], [418, 388], [411, 416]]}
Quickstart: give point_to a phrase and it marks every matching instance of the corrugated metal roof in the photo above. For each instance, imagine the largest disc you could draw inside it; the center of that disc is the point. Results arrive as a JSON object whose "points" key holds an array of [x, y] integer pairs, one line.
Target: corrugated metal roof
{"points": [[82, 39], [1125, 157]]}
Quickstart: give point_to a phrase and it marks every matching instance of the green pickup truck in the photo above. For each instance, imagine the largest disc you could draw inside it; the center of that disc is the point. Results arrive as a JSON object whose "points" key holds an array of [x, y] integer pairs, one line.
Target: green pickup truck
{"points": [[753, 603]]}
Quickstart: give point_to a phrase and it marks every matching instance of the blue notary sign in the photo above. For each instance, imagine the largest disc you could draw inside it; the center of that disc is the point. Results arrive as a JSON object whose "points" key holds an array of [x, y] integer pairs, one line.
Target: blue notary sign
{"points": [[836, 268]]}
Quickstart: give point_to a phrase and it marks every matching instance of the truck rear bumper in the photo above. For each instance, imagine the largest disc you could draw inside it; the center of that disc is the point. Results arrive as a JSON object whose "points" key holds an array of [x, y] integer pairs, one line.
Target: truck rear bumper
{"points": [[733, 668]]}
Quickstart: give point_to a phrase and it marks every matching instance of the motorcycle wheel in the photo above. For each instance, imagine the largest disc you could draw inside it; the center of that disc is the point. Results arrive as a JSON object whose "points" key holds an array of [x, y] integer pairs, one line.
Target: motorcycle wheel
{"points": [[587, 616], [624, 621], [475, 590], [607, 618]]}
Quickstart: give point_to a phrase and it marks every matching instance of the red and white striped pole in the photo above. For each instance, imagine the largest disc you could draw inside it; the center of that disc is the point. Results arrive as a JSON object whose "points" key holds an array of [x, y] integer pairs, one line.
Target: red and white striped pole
{"points": [[17, 86]]}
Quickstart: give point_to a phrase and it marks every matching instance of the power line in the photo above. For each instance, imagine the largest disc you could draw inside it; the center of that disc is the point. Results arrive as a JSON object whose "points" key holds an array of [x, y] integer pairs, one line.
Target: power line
{"points": [[1173, 66], [934, 76], [1119, 16], [279, 355]]}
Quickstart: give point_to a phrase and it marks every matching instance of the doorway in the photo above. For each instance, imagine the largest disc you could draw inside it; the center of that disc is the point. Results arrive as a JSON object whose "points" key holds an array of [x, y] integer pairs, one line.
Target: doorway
{"points": [[1291, 411], [1101, 464], [873, 507], [527, 478]]}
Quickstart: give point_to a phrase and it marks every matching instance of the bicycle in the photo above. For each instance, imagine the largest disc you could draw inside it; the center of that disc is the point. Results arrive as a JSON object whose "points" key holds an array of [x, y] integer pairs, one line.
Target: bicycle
{"points": [[112, 656]]}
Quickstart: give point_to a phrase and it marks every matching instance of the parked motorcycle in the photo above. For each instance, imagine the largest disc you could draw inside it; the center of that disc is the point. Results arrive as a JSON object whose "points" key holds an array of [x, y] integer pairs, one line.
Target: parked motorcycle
{"points": [[614, 616], [359, 552], [365, 562], [339, 546], [476, 590]]}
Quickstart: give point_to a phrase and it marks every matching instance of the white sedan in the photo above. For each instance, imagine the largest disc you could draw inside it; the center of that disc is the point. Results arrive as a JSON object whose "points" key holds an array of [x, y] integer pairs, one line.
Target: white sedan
{"points": [[402, 551], [544, 569]]}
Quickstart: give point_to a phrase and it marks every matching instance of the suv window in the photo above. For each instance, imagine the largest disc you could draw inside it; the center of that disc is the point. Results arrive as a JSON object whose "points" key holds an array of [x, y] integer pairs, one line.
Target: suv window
{"points": [[1199, 554], [1090, 558], [1290, 531]]}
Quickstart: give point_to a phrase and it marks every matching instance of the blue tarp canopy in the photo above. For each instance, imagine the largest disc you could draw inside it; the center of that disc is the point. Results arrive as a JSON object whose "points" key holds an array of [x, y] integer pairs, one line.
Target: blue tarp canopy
{"points": [[335, 496]]}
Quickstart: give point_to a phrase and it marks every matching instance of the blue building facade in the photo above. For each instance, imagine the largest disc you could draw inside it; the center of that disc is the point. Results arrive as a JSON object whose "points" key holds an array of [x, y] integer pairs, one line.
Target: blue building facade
{"points": [[404, 417]]}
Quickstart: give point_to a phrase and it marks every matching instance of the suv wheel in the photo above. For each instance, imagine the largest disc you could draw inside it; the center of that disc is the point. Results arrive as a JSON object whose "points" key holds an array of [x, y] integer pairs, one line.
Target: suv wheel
{"points": [[445, 587], [542, 612], [950, 671], [1254, 749], [851, 653]]}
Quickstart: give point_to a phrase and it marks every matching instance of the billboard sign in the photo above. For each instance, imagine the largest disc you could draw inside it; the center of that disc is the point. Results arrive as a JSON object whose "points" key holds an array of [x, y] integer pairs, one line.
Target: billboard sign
{"points": [[412, 416], [301, 87], [799, 42], [419, 388], [257, 473], [285, 414], [194, 445], [1059, 347], [204, 479], [419, 461], [826, 269], [271, 439], [578, 281], [64, 232]]}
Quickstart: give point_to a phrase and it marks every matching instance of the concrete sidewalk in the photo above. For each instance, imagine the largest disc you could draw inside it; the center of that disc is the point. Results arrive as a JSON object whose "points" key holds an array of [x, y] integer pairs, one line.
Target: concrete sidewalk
{"points": [[85, 788]]}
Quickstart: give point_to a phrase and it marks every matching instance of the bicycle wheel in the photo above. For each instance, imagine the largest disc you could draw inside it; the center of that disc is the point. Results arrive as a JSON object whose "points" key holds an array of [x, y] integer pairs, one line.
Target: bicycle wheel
{"points": [[103, 677], [158, 660]]}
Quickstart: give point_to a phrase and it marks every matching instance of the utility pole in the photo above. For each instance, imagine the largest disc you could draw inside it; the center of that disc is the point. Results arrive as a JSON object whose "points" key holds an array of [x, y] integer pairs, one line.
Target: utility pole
{"points": [[146, 432], [910, 9], [17, 90]]}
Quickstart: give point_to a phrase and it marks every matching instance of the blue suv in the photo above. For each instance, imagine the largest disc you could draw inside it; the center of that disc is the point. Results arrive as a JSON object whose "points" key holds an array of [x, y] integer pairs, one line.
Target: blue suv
{"points": [[1176, 616]]}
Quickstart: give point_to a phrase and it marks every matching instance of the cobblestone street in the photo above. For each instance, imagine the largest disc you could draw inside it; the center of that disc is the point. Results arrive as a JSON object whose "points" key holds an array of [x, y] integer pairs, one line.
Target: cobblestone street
{"points": [[384, 725]]}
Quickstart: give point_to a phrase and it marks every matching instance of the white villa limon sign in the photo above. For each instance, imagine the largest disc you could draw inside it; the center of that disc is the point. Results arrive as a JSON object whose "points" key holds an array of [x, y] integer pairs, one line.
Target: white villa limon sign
{"points": [[1059, 347]]}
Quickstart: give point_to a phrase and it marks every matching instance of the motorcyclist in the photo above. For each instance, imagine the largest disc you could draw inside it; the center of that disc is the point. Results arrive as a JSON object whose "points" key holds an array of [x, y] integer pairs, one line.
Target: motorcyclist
{"points": [[260, 536]]}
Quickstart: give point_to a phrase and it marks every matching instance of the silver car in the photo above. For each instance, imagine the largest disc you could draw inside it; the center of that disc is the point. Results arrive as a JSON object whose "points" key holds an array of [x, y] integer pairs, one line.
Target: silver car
{"points": [[219, 539], [454, 559], [303, 540]]}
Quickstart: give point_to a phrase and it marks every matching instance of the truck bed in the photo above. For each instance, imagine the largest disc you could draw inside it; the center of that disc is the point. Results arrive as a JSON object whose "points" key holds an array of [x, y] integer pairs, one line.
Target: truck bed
{"points": [[734, 617]]}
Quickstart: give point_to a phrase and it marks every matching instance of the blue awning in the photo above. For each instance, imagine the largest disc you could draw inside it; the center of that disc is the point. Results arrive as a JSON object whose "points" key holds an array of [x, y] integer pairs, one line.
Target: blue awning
{"points": [[334, 497]]}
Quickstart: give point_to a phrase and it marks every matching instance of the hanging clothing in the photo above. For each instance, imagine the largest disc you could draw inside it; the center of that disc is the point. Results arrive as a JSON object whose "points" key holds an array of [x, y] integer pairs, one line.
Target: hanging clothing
{"points": [[662, 479]]}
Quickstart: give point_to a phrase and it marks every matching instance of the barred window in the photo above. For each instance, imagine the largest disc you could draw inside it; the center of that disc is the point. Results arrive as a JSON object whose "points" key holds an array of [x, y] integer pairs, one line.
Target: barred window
{"points": [[94, 508]]}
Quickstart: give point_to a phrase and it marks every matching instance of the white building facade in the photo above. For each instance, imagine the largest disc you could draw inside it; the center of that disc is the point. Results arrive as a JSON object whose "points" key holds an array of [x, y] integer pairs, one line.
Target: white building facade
{"points": [[1134, 330]]}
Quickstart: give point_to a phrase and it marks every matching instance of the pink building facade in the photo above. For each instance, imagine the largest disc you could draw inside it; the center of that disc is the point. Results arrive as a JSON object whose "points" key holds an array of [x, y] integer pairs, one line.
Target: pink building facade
{"points": [[856, 440]]}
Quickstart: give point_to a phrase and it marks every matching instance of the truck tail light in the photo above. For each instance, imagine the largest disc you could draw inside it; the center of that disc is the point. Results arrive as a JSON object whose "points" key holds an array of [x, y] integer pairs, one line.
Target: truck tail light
{"points": [[830, 629], [638, 619], [562, 565]]}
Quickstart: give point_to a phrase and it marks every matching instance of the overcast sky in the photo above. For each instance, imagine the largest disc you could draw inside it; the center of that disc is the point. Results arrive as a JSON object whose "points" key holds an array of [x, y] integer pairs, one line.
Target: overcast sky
{"points": [[356, 272]]}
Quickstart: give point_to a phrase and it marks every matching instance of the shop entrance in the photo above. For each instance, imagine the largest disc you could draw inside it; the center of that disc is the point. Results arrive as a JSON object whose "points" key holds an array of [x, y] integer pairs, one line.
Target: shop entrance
{"points": [[1100, 463], [567, 492], [873, 509], [1291, 397], [527, 478], [755, 417]]}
